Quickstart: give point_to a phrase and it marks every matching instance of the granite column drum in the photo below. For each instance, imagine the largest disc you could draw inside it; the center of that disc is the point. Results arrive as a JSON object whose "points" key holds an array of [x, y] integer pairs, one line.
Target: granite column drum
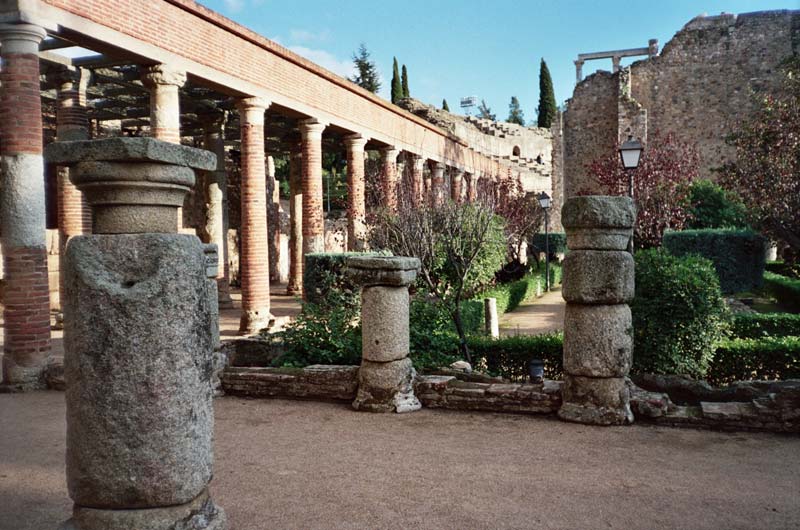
{"points": [[356, 201], [598, 332], [254, 234], [386, 376], [140, 327], [26, 301], [313, 213]]}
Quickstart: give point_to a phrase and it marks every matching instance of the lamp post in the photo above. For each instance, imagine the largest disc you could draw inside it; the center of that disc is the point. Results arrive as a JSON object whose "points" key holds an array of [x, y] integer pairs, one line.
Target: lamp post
{"points": [[544, 202], [630, 152]]}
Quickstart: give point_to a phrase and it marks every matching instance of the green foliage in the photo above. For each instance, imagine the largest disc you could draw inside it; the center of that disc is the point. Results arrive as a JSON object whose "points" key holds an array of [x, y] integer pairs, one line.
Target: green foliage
{"points": [[759, 325], [433, 339], [323, 272], [509, 356], [445, 106], [784, 269], [485, 112], [711, 206], [404, 83], [547, 98], [679, 314], [785, 290], [738, 255], [397, 86], [325, 331], [556, 242], [515, 114], [367, 76], [765, 358]]}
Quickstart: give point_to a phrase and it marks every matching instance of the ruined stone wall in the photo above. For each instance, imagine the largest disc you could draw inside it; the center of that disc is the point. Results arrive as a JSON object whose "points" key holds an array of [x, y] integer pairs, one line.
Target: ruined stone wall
{"points": [[699, 88]]}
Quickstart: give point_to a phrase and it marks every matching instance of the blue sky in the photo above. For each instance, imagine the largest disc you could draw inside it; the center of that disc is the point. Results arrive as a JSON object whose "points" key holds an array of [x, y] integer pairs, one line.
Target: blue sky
{"points": [[455, 48]]}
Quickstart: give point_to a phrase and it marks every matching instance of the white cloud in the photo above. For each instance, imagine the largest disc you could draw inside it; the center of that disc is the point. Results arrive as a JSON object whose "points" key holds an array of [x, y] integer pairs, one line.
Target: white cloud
{"points": [[234, 5], [326, 60], [302, 35]]}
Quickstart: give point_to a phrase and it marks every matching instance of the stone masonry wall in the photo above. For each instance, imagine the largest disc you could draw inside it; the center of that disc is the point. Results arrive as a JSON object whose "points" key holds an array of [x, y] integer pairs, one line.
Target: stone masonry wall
{"points": [[699, 88]]}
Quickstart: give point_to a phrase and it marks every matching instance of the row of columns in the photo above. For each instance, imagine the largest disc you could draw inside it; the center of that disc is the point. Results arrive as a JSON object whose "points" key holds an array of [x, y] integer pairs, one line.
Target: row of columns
{"points": [[27, 305]]}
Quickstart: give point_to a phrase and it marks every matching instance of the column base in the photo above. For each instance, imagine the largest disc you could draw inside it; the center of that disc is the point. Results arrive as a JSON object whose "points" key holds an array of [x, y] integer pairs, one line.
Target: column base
{"points": [[22, 379], [595, 401], [294, 290], [224, 300], [198, 514], [386, 387], [254, 320]]}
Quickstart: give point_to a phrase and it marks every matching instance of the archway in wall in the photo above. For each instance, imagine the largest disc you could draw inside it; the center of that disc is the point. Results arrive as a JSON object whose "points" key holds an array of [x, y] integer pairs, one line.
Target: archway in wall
{"points": [[515, 151]]}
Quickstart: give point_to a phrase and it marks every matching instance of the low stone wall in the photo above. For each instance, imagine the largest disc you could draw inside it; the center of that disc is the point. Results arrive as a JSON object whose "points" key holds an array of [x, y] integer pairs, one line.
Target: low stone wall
{"points": [[312, 382], [448, 392]]}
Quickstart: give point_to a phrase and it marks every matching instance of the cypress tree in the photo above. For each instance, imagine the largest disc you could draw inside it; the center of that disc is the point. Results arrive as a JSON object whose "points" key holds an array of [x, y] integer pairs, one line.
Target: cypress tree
{"points": [[406, 93], [444, 105], [547, 99], [366, 72], [397, 89], [485, 112], [515, 112]]}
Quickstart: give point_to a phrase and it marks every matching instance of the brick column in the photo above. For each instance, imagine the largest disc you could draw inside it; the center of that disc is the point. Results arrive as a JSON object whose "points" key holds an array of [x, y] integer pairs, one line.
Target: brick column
{"points": [[27, 301], [389, 177], [437, 183], [457, 185], [74, 215], [273, 220], [254, 256], [472, 187], [295, 286], [356, 205], [313, 216], [417, 183], [165, 114], [215, 190]]}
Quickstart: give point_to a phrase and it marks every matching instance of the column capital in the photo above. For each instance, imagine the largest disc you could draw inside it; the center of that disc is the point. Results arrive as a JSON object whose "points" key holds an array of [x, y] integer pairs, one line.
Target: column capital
{"points": [[355, 142], [252, 103], [311, 127], [162, 74], [64, 76], [437, 166], [213, 121], [389, 151], [21, 38]]}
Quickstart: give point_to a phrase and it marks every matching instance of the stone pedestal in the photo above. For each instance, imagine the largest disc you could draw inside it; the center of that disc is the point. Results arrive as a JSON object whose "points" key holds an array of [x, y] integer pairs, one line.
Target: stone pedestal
{"points": [[140, 316], [598, 333], [386, 377]]}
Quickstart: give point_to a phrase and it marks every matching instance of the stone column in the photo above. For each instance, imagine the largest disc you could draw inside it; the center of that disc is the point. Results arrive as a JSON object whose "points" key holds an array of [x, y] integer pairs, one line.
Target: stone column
{"points": [[254, 257], [26, 308], [215, 189], [389, 177], [490, 319], [615, 63], [295, 286], [74, 215], [356, 205], [437, 183], [598, 334], [417, 183], [457, 185], [273, 220], [652, 47], [472, 187], [386, 376], [139, 332], [313, 213], [578, 71], [165, 111]]}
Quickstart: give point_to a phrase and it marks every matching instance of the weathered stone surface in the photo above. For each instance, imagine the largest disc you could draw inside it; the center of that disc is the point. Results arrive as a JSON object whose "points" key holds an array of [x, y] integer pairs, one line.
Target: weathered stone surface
{"points": [[598, 277], [199, 514], [598, 211], [382, 270], [124, 149], [680, 388], [386, 387], [327, 382], [598, 340], [138, 363], [597, 401], [384, 323], [450, 393]]}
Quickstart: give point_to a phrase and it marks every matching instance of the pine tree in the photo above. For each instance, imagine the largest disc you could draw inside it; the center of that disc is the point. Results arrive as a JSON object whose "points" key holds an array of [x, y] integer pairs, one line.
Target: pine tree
{"points": [[444, 105], [547, 99], [397, 87], [366, 72], [406, 93], [485, 112], [515, 112]]}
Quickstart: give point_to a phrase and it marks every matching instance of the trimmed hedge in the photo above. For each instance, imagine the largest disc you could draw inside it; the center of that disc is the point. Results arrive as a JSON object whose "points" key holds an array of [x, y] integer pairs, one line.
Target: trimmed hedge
{"points": [[326, 269], [509, 356], [785, 290], [784, 269], [759, 325], [557, 242], [739, 256], [744, 359]]}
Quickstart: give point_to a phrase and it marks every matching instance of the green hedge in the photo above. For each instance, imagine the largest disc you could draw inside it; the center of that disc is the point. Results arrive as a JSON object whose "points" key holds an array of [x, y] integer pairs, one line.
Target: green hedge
{"points": [[739, 256], [509, 356], [784, 269], [759, 325], [326, 269], [785, 290], [743, 359], [556, 241]]}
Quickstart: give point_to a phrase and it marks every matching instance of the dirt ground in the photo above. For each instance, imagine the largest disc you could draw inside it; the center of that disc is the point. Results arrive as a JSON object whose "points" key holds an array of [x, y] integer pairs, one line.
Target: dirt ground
{"points": [[306, 465]]}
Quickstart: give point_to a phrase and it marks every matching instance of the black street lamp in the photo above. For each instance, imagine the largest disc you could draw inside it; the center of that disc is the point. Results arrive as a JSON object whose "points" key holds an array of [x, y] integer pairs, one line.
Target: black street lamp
{"points": [[544, 202], [630, 152]]}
